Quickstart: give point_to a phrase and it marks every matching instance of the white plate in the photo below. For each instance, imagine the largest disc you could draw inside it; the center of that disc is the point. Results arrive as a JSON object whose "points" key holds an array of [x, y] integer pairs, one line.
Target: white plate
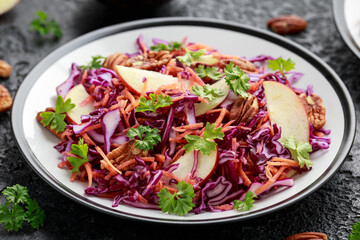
{"points": [[352, 17], [38, 92]]}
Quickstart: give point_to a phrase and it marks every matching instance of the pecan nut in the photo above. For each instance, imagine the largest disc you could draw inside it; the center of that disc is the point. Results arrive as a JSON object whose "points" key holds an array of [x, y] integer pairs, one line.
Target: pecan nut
{"points": [[242, 63], [308, 236], [5, 99], [122, 153], [115, 59], [286, 24], [244, 110], [5, 69], [315, 109], [150, 61]]}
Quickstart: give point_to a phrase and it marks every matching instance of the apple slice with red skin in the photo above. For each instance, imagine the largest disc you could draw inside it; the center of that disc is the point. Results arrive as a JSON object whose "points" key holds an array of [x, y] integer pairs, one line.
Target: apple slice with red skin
{"points": [[286, 110], [132, 78], [83, 103], [205, 167]]}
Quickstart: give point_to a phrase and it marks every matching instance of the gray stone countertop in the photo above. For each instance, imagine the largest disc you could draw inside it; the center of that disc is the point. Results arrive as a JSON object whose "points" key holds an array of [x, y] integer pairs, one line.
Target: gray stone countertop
{"points": [[333, 209]]}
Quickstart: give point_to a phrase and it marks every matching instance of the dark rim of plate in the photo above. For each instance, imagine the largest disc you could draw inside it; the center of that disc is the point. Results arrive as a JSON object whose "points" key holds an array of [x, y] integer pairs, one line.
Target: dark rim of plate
{"points": [[339, 17], [328, 73]]}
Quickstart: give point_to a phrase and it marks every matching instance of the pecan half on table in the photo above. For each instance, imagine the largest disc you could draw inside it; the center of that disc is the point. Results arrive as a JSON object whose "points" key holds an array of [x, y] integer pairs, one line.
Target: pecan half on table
{"points": [[308, 236], [286, 24], [244, 110], [5, 69], [5, 99], [315, 109]]}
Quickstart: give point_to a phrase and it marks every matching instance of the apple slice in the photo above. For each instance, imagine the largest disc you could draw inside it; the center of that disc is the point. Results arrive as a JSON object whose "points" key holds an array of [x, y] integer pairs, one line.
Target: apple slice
{"points": [[79, 97], [286, 110], [206, 59], [132, 78], [6, 5], [206, 165], [202, 108]]}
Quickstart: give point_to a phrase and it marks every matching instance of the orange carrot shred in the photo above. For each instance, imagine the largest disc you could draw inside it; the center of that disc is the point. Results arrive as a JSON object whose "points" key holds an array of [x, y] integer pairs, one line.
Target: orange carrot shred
{"points": [[88, 169]]}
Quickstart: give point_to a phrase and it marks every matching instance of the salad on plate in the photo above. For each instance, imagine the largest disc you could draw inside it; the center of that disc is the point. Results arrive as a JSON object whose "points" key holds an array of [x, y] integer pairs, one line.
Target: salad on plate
{"points": [[181, 127]]}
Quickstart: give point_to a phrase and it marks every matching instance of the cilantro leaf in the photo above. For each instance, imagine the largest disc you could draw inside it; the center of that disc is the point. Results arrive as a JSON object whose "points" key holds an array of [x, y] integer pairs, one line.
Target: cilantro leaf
{"points": [[149, 105], [43, 26], [95, 63], [247, 203], [35, 215], [179, 203], [190, 55], [237, 80], [207, 92], [299, 151], [204, 144], [80, 150], [57, 118], [211, 72], [281, 64], [170, 47], [355, 233], [12, 218], [146, 137], [16, 194]]}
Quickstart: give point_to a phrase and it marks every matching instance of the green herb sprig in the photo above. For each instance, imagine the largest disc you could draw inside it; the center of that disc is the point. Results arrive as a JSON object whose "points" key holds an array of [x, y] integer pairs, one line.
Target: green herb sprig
{"points": [[299, 151], [44, 26], [281, 65], [207, 92], [180, 202], [80, 150], [355, 233], [190, 55], [237, 80], [95, 63], [147, 137], [156, 101], [19, 208], [169, 47], [247, 203], [57, 119], [211, 72]]}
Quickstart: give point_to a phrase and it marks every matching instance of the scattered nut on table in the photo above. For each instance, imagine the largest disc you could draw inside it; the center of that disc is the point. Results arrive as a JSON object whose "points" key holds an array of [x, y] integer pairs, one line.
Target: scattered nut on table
{"points": [[287, 24], [308, 236], [5, 99], [5, 69]]}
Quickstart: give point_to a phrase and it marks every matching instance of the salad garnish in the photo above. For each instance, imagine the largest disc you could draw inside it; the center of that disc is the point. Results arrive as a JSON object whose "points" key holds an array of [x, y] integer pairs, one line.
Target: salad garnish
{"points": [[81, 150], [190, 56], [180, 202], [281, 64], [299, 151], [169, 47], [146, 137], [95, 63], [237, 79], [247, 204], [207, 92], [56, 119], [156, 101], [204, 144], [211, 72]]}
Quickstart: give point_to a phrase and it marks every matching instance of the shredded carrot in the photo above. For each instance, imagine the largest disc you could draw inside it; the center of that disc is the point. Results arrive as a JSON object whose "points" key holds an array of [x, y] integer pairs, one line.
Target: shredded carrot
{"points": [[269, 182], [189, 126], [224, 207], [92, 127], [167, 86], [88, 169], [62, 164], [100, 151], [202, 99], [73, 177], [84, 77], [246, 179], [171, 190], [142, 199], [129, 96], [87, 138], [178, 154], [176, 99], [318, 133], [198, 46], [221, 117], [196, 78], [126, 163], [160, 157], [177, 138], [224, 56], [143, 91], [181, 82], [148, 159]]}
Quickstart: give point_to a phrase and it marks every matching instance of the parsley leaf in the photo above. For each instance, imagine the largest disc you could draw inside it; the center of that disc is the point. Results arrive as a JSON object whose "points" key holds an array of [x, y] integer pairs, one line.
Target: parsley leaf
{"points": [[237, 80], [35, 215], [57, 118], [211, 72], [80, 150], [355, 233], [44, 26], [247, 203], [170, 47], [202, 143], [95, 63], [149, 105], [207, 92], [16, 194], [281, 64], [179, 203], [190, 55], [299, 151], [146, 137], [12, 212]]}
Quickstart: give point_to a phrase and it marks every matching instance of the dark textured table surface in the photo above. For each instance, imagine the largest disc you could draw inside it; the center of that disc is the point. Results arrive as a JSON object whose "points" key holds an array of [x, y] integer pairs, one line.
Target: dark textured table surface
{"points": [[332, 209]]}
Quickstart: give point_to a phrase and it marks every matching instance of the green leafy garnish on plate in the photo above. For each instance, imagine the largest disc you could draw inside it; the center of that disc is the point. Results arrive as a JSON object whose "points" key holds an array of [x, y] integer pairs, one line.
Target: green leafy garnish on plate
{"points": [[146, 137], [299, 151], [207, 92], [80, 150], [156, 101], [95, 63], [247, 203], [169, 47], [281, 65], [189, 56], [211, 72], [237, 79]]}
